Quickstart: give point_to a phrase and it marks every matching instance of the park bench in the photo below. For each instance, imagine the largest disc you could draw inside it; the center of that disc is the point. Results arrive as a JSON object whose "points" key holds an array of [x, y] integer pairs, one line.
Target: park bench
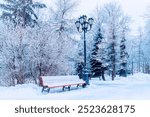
{"points": [[64, 82]]}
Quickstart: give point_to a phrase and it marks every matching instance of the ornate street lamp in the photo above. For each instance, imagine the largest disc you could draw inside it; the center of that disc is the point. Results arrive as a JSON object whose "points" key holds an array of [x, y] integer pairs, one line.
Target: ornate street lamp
{"points": [[84, 25]]}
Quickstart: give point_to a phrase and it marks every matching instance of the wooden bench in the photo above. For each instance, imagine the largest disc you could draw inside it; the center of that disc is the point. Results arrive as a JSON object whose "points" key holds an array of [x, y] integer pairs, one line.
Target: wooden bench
{"points": [[64, 82]]}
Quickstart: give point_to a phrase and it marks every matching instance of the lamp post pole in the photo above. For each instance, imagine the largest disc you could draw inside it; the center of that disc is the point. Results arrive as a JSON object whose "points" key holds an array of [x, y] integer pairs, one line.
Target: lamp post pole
{"points": [[84, 50], [84, 25]]}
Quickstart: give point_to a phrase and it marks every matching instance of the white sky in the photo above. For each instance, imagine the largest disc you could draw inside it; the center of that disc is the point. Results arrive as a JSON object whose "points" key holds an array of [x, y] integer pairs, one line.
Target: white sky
{"points": [[134, 8]]}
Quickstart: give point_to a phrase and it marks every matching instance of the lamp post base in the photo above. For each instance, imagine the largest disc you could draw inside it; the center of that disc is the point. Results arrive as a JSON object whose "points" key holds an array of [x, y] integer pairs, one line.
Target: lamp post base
{"points": [[86, 76]]}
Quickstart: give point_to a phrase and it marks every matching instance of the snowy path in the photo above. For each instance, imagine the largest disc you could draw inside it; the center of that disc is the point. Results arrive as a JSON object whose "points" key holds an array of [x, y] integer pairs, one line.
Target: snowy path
{"points": [[133, 87]]}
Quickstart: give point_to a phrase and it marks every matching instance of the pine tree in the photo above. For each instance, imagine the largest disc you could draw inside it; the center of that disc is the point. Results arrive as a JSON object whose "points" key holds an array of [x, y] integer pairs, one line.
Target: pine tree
{"points": [[98, 56], [21, 12], [123, 57], [123, 52]]}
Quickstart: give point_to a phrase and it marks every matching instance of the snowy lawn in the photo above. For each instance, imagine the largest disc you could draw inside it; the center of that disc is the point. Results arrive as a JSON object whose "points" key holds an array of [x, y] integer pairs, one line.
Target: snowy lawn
{"points": [[132, 87]]}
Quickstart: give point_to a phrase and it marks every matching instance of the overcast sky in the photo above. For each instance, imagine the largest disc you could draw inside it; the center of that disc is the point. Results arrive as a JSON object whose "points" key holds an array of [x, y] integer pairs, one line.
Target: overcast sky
{"points": [[134, 8]]}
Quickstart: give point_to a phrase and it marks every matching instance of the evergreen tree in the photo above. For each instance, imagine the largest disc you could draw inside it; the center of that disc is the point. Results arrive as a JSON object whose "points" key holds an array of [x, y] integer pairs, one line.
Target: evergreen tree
{"points": [[79, 69], [98, 56], [21, 12], [123, 57]]}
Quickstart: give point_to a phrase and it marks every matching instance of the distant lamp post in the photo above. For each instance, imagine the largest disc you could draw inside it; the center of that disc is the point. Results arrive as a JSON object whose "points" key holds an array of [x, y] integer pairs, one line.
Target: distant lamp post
{"points": [[84, 25]]}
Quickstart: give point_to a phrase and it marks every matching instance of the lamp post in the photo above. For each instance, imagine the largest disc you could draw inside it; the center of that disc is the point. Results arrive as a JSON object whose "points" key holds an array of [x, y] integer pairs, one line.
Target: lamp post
{"points": [[84, 25]]}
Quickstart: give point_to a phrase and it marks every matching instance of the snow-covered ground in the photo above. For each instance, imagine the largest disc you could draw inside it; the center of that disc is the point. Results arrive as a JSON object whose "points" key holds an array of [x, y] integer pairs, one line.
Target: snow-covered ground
{"points": [[133, 87]]}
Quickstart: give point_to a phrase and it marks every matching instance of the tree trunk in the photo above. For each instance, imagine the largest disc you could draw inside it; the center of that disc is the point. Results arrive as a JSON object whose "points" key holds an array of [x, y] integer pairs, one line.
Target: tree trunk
{"points": [[113, 58], [132, 68]]}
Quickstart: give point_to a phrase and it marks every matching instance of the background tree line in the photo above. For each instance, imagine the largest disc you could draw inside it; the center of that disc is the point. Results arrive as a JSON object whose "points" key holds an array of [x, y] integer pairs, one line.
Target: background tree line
{"points": [[31, 47]]}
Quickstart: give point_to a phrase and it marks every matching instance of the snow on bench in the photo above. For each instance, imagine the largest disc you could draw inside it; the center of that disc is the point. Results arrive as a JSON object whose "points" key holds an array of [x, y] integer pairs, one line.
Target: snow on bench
{"points": [[49, 82]]}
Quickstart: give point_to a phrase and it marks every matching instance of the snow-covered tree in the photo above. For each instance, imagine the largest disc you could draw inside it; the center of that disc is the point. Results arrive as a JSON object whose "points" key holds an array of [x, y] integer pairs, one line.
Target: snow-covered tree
{"points": [[98, 55], [64, 30], [123, 56], [123, 45], [47, 49], [11, 55], [21, 12], [95, 57], [113, 24]]}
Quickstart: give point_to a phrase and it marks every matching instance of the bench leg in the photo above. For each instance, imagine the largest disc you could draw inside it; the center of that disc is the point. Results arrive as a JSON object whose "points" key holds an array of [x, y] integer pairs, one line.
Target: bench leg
{"points": [[42, 89], [69, 88], [63, 88], [46, 89], [84, 85]]}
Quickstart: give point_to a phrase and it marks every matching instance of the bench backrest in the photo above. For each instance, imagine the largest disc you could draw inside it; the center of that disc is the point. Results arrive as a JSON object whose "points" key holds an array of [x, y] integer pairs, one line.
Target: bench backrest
{"points": [[59, 80]]}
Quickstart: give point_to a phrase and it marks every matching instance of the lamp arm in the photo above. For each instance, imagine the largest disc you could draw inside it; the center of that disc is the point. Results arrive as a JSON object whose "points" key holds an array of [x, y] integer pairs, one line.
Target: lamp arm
{"points": [[80, 31], [89, 28]]}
